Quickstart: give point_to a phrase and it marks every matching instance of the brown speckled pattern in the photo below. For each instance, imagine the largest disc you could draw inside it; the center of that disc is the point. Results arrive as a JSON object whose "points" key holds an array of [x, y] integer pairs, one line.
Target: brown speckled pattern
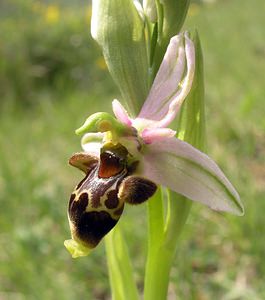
{"points": [[97, 202], [93, 207]]}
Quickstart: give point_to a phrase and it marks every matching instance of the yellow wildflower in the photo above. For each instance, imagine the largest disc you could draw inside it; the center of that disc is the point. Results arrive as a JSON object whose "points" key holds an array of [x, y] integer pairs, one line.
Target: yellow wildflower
{"points": [[52, 14]]}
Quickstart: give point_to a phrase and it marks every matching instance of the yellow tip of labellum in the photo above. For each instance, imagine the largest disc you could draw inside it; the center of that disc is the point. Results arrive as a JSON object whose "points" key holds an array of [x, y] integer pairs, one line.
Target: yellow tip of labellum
{"points": [[76, 249]]}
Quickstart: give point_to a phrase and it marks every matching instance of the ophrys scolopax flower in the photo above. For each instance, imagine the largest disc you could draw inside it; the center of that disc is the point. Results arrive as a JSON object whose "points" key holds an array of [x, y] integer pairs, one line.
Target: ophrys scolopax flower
{"points": [[139, 153]]}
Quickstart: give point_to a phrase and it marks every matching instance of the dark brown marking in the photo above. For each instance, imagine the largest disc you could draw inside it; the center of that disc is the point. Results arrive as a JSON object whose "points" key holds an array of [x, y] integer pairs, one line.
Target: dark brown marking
{"points": [[72, 198], [77, 208], [83, 197], [112, 199], [92, 226], [113, 160], [110, 165], [136, 190], [98, 187]]}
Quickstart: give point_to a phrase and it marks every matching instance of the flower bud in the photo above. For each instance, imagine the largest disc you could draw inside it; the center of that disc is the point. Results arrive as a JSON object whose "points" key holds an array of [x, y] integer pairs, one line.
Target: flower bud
{"points": [[119, 29], [175, 12], [150, 10], [170, 20]]}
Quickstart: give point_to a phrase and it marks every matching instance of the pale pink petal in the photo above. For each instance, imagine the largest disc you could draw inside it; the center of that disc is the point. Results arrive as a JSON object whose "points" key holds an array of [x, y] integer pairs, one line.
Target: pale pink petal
{"points": [[185, 170], [169, 90], [156, 134], [185, 87], [120, 113], [166, 81]]}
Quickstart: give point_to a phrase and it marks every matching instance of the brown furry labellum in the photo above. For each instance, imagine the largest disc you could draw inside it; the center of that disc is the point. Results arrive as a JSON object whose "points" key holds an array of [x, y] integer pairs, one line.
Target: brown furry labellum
{"points": [[97, 202]]}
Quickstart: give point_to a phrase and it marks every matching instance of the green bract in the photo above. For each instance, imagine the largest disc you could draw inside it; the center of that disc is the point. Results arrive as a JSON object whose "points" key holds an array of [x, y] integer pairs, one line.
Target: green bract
{"points": [[174, 14], [150, 10], [119, 30], [171, 16]]}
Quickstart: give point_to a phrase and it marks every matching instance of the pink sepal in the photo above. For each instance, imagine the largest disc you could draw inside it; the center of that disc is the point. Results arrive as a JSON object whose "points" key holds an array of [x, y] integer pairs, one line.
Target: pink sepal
{"points": [[182, 168], [120, 113], [171, 85]]}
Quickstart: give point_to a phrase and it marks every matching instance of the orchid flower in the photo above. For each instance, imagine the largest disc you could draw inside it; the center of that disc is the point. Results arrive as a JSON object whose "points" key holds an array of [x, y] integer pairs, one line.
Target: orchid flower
{"points": [[161, 157]]}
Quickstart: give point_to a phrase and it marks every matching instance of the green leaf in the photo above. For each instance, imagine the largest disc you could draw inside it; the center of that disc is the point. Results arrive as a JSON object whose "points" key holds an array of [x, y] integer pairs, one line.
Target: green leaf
{"points": [[119, 266]]}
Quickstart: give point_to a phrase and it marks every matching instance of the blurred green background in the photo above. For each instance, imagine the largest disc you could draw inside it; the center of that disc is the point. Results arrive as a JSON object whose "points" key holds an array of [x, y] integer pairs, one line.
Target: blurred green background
{"points": [[52, 76]]}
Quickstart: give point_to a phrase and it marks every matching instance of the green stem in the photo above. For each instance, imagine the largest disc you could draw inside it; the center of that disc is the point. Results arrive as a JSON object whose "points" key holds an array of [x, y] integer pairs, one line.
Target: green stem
{"points": [[155, 236], [120, 269], [177, 214], [162, 243], [156, 285]]}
